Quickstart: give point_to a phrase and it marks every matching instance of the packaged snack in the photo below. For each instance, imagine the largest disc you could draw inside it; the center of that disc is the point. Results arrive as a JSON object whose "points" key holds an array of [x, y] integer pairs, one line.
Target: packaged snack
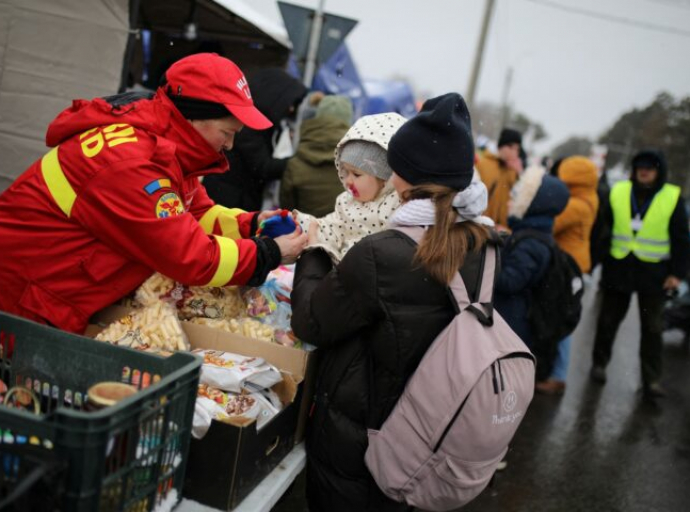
{"points": [[191, 301], [153, 328], [260, 301], [245, 326], [232, 372], [236, 408], [153, 289], [206, 302]]}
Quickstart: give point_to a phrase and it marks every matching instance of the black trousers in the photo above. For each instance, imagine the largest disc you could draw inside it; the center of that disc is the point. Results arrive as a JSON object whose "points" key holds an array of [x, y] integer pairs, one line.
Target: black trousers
{"points": [[614, 306]]}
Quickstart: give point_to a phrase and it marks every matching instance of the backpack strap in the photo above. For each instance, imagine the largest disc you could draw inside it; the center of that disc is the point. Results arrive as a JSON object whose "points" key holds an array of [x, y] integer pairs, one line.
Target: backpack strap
{"points": [[483, 308]]}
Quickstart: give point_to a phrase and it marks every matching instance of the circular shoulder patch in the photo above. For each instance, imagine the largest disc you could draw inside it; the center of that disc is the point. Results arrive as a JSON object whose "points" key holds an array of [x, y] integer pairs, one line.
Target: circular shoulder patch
{"points": [[169, 205]]}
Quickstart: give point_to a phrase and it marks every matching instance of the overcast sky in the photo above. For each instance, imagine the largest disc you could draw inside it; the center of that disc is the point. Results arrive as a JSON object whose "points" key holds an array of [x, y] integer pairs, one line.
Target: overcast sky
{"points": [[575, 74]]}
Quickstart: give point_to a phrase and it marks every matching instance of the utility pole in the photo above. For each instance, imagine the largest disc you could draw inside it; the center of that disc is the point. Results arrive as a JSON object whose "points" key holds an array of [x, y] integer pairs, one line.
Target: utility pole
{"points": [[314, 39], [505, 109], [476, 68]]}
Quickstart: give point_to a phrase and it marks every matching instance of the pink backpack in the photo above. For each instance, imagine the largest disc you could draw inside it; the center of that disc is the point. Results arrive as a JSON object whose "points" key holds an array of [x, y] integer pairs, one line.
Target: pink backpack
{"points": [[451, 427]]}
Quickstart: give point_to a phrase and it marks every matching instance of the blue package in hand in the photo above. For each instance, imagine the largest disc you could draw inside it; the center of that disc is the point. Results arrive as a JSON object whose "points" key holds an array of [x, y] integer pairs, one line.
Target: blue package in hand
{"points": [[278, 225]]}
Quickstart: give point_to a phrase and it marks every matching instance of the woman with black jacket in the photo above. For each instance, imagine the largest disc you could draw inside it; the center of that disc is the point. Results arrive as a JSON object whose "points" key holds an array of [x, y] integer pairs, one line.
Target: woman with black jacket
{"points": [[375, 314]]}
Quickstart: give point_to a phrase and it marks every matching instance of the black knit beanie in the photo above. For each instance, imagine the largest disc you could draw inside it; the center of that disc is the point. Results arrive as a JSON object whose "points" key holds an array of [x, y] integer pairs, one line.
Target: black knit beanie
{"points": [[192, 108], [509, 136], [436, 145]]}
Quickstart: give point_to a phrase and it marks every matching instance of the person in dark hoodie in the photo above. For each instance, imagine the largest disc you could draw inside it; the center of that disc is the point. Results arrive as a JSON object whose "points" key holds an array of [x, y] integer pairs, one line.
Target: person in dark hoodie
{"points": [[536, 200], [277, 95], [649, 251], [118, 198]]}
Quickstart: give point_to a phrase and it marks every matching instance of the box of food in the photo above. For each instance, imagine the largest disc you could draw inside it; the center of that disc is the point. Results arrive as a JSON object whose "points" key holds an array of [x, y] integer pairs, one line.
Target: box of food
{"points": [[301, 362], [231, 459], [234, 456]]}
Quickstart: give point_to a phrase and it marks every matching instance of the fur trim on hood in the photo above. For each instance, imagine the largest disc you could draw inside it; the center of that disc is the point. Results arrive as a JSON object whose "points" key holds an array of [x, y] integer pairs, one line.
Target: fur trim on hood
{"points": [[537, 194], [525, 190]]}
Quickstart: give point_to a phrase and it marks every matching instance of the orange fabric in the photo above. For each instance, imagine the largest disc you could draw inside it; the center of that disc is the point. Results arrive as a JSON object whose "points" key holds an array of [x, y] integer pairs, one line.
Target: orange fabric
{"points": [[573, 226], [499, 180]]}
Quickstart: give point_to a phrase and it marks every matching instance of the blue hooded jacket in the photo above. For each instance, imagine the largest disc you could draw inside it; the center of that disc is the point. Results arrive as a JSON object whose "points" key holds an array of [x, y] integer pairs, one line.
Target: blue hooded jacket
{"points": [[538, 199]]}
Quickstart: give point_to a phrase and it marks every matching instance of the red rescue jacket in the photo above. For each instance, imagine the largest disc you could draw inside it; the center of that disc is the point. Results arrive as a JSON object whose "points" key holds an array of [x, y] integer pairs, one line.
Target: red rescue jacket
{"points": [[117, 198]]}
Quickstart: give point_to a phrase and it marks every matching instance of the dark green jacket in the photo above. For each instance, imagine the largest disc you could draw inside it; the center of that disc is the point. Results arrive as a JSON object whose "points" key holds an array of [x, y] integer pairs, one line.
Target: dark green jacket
{"points": [[310, 183]]}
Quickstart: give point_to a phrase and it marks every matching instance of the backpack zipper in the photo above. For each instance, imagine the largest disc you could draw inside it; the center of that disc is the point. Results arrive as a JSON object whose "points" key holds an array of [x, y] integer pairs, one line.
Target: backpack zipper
{"points": [[493, 378]]}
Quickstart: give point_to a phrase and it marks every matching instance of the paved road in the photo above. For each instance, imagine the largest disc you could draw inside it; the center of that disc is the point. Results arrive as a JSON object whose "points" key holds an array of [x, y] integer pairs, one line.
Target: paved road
{"points": [[596, 449]]}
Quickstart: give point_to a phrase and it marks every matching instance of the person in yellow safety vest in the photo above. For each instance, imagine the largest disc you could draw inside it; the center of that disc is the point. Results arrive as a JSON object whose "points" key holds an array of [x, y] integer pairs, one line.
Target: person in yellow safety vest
{"points": [[649, 254]]}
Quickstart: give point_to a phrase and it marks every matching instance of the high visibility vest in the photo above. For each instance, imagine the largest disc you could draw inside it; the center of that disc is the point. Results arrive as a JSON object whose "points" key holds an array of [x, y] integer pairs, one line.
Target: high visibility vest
{"points": [[651, 243]]}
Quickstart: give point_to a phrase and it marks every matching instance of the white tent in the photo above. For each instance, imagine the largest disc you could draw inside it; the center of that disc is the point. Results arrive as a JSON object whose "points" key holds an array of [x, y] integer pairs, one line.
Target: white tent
{"points": [[53, 51]]}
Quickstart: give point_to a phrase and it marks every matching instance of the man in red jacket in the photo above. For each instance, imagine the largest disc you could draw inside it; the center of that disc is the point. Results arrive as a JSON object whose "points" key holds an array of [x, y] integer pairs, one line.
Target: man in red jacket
{"points": [[118, 197]]}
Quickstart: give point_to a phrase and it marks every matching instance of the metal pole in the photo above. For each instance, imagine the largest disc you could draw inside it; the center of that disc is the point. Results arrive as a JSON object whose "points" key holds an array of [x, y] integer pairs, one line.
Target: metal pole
{"points": [[505, 109], [314, 39], [132, 38], [476, 68]]}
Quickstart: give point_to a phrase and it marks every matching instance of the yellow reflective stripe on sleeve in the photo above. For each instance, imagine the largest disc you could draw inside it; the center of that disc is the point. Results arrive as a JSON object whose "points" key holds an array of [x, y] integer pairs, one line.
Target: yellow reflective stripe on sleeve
{"points": [[229, 226], [208, 219], [227, 219], [227, 263], [62, 192]]}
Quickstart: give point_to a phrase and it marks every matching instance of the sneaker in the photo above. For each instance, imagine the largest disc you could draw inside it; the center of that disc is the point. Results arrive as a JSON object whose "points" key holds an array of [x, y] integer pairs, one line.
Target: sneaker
{"points": [[654, 390], [502, 465], [550, 386], [598, 374]]}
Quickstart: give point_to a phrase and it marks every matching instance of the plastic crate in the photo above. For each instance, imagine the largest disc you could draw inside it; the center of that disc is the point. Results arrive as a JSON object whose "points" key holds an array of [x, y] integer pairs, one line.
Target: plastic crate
{"points": [[125, 457], [32, 478]]}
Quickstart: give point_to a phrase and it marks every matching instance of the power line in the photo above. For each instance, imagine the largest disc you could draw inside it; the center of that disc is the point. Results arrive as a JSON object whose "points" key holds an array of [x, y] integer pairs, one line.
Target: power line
{"points": [[679, 4], [614, 19]]}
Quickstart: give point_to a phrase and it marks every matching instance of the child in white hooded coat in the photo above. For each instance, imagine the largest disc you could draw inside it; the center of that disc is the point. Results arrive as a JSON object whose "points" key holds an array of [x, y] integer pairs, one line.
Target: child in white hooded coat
{"points": [[369, 199]]}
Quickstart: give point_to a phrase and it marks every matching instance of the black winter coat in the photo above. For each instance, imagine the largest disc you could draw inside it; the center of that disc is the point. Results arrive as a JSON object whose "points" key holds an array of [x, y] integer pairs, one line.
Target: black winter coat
{"points": [[373, 318], [633, 275], [251, 160]]}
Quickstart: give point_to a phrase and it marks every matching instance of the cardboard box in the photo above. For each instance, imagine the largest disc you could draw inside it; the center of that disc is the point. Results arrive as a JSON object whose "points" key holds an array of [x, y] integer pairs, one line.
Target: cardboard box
{"points": [[300, 362], [226, 465], [231, 460]]}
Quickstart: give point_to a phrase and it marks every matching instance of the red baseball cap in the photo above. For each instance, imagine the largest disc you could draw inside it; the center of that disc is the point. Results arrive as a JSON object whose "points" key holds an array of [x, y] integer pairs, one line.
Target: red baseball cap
{"points": [[210, 77]]}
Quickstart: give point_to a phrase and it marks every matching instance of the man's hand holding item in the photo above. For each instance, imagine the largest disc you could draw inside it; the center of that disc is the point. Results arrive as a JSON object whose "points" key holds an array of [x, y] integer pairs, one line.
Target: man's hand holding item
{"points": [[291, 246]]}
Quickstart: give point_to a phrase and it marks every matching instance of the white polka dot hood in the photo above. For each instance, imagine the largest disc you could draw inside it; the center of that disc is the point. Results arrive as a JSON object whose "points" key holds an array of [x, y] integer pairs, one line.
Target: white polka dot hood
{"points": [[352, 220]]}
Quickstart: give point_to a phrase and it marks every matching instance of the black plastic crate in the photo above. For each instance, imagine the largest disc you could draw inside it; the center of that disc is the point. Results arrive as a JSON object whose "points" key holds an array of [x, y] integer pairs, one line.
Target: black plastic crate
{"points": [[125, 457], [31, 479]]}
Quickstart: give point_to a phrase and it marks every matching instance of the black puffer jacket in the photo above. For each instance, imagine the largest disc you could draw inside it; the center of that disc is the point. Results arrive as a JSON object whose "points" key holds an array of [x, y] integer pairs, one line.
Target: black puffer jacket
{"points": [[251, 159], [633, 275], [373, 318]]}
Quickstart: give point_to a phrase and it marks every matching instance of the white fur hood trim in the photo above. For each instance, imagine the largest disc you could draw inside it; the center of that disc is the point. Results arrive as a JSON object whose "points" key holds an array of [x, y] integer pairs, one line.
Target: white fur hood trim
{"points": [[525, 190]]}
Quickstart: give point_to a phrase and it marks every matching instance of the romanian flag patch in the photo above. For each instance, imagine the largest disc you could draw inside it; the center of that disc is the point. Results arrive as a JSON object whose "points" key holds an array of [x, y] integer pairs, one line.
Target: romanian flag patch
{"points": [[156, 185]]}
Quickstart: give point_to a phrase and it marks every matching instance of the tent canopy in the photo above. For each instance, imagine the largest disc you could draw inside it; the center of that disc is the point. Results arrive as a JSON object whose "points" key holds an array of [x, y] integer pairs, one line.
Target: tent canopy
{"points": [[390, 96], [338, 75], [182, 27], [54, 52]]}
